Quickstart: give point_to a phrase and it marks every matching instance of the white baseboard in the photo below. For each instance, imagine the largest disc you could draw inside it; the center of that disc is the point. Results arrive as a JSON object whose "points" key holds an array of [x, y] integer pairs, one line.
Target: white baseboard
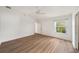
{"points": [[13, 38]]}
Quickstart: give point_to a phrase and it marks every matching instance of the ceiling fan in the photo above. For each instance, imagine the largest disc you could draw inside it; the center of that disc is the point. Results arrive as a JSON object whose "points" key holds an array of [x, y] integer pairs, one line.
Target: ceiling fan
{"points": [[8, 7], [39, 11]]}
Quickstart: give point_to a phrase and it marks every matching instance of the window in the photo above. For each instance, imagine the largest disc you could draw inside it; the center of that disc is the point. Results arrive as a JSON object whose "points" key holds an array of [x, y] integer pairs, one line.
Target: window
{"points": [[60, 27]]}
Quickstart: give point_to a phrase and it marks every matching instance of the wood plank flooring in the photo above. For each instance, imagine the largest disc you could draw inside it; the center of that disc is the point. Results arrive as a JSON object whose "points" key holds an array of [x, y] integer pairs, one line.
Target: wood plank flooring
{"points": [[37, 44]]}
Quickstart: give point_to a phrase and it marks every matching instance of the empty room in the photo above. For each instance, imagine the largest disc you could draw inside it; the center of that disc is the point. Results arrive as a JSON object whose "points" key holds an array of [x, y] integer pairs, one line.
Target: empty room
{"points": [[39, 29]]}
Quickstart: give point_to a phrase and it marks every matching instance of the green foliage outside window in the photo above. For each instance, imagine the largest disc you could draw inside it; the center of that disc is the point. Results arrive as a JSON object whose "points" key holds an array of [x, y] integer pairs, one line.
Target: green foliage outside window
{"points": [[60, 27]]}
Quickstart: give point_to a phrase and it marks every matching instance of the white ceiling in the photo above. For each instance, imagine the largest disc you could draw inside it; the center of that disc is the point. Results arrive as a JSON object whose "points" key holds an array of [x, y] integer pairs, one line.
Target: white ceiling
{"points": [[45, 11]]}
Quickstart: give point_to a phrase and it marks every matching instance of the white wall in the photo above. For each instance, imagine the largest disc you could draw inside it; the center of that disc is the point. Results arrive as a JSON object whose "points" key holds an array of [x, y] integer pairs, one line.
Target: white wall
{"points": [[38, 28], [14, 25], [48, 27]]}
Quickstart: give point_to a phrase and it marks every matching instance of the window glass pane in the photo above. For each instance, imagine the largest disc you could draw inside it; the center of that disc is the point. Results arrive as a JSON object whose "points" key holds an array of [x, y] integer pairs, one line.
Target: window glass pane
{"points": [[60, 27]]}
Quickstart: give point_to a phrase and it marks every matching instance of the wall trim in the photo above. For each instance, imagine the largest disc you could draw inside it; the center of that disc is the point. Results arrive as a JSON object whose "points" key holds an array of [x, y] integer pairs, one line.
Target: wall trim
{"points": [[16, 38], [54, 37]]}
